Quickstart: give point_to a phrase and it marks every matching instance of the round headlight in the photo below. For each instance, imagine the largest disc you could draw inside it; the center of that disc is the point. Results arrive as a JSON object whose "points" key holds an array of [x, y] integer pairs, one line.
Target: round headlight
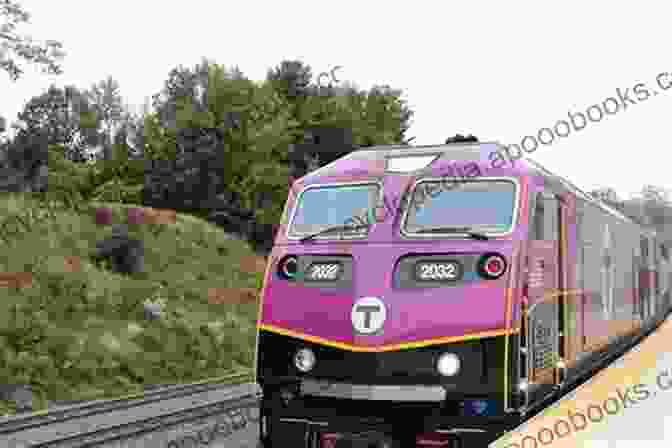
{"points": [[304, 360], [448, 364]]}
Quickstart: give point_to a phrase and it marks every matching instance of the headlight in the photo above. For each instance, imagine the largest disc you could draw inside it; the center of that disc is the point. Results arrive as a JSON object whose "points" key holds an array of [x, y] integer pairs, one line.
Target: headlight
{"points": [[304, 360], [448, 364]]}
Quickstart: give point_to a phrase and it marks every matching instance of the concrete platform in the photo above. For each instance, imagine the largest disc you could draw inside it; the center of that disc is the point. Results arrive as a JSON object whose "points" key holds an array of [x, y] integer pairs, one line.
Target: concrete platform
{"points": [[627, 404]]}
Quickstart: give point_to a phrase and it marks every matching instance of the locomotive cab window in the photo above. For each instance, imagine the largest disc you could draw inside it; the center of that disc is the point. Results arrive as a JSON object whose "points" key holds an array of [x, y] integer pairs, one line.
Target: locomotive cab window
{"points": [[322, 207], [482, 205]]}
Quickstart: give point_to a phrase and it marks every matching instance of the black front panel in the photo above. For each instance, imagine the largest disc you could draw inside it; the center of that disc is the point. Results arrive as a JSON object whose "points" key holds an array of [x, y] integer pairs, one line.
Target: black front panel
{"points": [[481, 364], [307, 265], [409, 271]]}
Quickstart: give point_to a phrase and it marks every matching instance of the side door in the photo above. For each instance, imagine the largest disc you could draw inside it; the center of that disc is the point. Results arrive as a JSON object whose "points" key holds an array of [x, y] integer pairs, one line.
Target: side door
{"points": [[543, 291]]}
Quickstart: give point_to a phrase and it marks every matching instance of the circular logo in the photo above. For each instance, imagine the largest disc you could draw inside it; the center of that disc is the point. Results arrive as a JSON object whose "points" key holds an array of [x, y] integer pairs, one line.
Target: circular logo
{"points": [[368, 315]]}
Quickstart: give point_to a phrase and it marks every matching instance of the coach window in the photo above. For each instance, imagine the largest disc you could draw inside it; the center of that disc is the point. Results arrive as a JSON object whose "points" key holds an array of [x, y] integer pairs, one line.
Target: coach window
{"points": [[665, 273], [546, 217], [580, 256], [538, 219], [644, 285], [657, 267], [644, 252]]}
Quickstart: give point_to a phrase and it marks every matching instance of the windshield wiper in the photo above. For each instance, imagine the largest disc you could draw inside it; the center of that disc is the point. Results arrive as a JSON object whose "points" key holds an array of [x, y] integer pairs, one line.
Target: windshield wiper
{"points": [[466, 230], [341, 228]]}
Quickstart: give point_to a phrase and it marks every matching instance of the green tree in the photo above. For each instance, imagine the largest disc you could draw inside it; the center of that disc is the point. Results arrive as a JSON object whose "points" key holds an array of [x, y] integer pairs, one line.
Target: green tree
{"points": [[343, 122], [15, 47], [182, 84], [107, 102], [334, 120], [64, 116], [291, 78], [251, 127]]}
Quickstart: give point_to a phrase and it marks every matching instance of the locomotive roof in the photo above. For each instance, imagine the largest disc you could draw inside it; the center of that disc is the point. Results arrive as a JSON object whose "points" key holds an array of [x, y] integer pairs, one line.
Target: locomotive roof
{"points": [[371, 160]]}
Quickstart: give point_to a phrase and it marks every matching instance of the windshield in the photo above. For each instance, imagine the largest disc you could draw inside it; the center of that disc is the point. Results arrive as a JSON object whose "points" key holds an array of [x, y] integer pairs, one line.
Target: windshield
{"points": [[480, 205], [321, 207]]}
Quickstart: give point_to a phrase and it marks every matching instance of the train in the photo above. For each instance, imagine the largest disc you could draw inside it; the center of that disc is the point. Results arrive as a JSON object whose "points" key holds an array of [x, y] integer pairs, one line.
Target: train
{"points": [[428, 295]]}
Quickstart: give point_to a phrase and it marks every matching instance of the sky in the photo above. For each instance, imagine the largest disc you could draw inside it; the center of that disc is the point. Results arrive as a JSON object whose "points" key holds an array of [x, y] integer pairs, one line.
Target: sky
{"points": [[498, 70]]}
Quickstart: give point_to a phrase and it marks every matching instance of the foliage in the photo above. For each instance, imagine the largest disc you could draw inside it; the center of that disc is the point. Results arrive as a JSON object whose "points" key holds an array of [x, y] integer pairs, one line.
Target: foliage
{"points": [[255, 124], [221, 134], [253, 129], [105, 99], [64, 117], [291, 78], [15, 47], [160, 142], [182, 83]]}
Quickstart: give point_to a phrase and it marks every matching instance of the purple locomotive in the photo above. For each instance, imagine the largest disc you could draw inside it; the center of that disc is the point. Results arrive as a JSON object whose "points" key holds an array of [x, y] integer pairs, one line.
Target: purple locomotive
{"points": [[427, 292]]}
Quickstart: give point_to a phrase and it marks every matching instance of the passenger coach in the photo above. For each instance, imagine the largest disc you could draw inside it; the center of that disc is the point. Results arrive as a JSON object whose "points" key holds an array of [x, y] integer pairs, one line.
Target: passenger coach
{"points": [[430, 293]]}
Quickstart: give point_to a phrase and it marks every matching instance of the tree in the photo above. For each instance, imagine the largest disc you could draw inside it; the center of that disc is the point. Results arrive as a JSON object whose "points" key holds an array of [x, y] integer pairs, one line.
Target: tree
{"points": [[232, 143], [15, 47], [183, 84], [292, 78], [62, 116], [248, 125], [4, 140], [3, 130], [335, 124], [105, 99]]}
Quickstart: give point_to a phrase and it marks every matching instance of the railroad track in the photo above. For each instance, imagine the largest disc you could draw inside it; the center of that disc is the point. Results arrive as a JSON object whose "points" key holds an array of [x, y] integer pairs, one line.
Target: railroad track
{"points": [[95, 423]]}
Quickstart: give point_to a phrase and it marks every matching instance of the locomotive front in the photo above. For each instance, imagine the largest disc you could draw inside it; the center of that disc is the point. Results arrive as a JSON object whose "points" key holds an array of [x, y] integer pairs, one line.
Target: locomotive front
{"points": [[399, 320]]}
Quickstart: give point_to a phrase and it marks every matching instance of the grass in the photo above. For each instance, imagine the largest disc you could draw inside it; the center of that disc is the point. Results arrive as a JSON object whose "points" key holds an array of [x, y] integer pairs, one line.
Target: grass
{"points": [[78, 330]]}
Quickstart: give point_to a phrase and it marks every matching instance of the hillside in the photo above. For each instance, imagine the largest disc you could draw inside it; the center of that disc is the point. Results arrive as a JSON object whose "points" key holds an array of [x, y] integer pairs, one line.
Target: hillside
{"points": [[74, 330]]}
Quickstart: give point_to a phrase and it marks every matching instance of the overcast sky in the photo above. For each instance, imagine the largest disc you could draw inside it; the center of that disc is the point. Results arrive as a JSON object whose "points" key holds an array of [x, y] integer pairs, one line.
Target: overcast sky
{"points": [[499, 70]]}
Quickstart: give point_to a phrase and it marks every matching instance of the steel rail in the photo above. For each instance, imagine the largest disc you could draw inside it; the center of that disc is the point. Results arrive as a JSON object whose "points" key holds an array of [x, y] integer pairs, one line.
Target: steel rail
{"points": [[58, 415], [148, 424]]}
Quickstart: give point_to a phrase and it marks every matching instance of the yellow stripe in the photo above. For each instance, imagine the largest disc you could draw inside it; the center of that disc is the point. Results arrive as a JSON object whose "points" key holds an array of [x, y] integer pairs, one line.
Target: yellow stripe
{"points": [[270, 261], [509, 293], [384, 348]]}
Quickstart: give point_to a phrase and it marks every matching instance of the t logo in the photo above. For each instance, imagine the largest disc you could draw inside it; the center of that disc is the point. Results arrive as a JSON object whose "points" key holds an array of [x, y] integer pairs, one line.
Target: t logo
{"points": [[368, 315], [367, 310]]}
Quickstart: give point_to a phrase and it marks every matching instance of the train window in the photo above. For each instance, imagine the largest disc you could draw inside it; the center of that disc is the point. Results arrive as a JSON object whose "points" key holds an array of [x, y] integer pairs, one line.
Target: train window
{"points": [[592, 232], [547, 217], [579, 249], [539, 213], [644, 251]]}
